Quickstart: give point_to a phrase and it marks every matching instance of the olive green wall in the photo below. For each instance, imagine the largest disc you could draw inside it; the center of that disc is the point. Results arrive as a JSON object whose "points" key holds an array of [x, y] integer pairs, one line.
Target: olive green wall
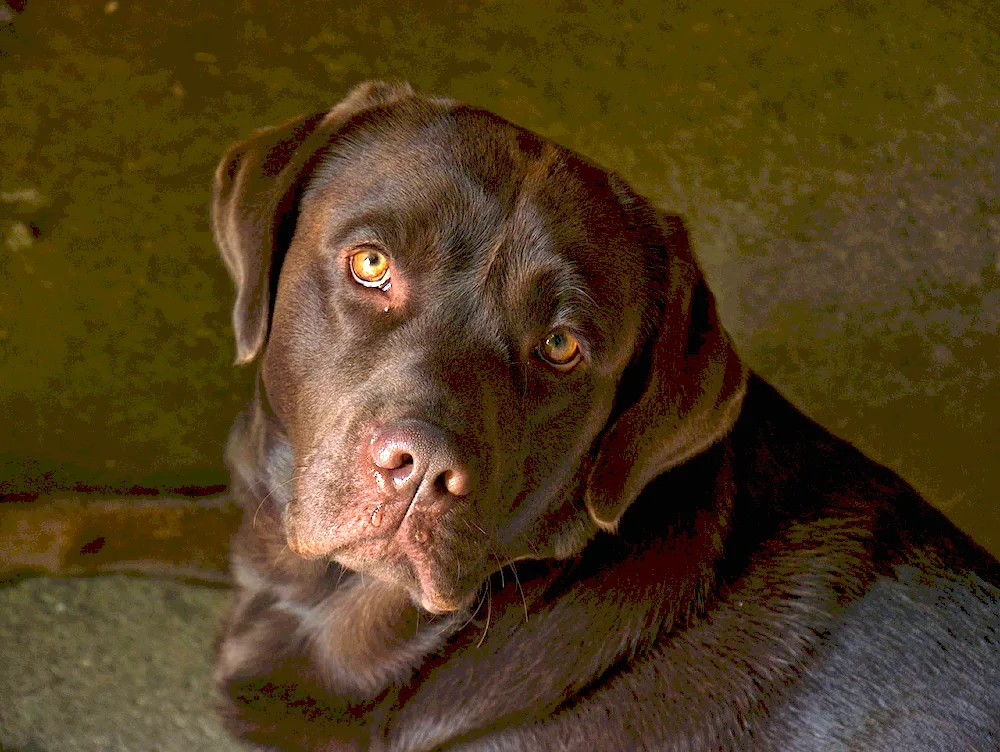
{"points": [[837, 163]]}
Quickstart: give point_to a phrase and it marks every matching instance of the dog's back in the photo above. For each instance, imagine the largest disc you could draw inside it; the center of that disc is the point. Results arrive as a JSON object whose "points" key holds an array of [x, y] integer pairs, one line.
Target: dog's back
{"points": [[913, 661]]}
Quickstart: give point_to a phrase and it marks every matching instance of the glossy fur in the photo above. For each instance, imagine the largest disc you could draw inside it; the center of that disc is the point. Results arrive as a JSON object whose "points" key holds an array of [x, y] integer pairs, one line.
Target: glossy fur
{"points": [[651, 550]]}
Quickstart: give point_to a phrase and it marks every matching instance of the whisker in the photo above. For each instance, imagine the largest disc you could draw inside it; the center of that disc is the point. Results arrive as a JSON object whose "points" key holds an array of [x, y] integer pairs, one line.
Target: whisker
{"points": [[475, 612], [280, 553], [489, 543], [271, 493], [489, 612], [343, 571], [531, 545], [517, 580]]}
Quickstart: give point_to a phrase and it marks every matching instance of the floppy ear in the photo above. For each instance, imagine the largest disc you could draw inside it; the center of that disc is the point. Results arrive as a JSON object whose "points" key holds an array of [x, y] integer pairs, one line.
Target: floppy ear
{"points": [[693, 389], [255, 203]]}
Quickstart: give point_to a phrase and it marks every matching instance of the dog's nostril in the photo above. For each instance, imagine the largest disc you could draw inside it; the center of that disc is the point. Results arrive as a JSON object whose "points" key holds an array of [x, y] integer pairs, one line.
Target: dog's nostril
{"points": [[402, 474], [454, 481], [391, 456], [419, 458]]}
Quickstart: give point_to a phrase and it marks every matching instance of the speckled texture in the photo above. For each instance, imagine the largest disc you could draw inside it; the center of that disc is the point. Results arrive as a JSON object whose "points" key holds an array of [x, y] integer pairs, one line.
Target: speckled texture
{"points": [[111, 664], [837, 163]]}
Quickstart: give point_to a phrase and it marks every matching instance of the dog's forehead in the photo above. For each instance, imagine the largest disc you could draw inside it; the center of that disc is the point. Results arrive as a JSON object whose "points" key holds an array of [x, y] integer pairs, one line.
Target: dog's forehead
{"points": [[494, 208], [457, 165]]}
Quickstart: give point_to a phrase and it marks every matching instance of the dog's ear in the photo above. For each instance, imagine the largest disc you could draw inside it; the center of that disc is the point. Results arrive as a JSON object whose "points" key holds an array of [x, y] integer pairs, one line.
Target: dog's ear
{"points": [[689, 380], [255, 203]]}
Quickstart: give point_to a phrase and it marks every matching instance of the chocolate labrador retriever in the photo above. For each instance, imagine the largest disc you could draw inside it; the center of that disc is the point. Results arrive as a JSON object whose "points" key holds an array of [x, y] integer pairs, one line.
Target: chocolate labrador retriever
{"points": [[508, 486]]}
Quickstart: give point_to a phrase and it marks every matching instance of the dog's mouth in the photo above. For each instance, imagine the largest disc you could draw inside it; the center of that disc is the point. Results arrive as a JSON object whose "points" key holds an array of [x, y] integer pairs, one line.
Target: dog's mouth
{"points": [[400, 506], [413, 564], [392, 542]]}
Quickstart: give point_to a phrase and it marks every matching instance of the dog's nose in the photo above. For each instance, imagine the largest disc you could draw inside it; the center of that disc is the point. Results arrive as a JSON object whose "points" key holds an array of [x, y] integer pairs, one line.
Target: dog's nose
{"points": [[420, 460]]}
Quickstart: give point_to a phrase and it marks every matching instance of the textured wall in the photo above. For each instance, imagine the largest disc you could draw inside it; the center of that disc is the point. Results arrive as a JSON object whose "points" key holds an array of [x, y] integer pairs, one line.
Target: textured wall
{"points": [[837, 162]]}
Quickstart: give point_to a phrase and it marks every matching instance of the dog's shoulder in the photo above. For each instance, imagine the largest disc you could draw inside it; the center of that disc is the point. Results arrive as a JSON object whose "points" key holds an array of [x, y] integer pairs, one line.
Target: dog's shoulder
{"points": [[914, 664], [788, 461], [913, 659]]}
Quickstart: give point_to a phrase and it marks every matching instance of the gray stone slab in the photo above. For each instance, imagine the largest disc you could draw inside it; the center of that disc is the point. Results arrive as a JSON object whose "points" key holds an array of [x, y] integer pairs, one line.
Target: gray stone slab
{"points": [[110, 664]]}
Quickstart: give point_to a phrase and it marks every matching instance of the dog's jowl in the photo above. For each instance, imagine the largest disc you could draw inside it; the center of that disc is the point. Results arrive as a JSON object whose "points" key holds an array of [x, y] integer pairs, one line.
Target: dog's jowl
{"points": [[508, 486]]}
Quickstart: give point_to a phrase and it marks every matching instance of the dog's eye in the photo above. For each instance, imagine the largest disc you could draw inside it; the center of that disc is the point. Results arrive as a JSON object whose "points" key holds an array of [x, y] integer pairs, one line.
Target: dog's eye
{"points": [[560, 349], [370, 268]]}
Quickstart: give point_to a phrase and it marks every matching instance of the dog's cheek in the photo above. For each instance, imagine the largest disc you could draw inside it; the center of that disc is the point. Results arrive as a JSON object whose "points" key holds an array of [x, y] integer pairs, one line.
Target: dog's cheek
{"points": [[559, 438], [318, 523], [281, 380], [306, 343], [551, 467]]}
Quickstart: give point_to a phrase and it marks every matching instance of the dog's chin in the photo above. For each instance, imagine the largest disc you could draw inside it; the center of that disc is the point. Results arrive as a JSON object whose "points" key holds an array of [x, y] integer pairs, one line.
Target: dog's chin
{"points": [[434, 604], [427, 585]]}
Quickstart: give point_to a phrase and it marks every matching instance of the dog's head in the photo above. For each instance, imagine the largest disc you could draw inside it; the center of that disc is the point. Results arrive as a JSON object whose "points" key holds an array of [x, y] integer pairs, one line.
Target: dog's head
{"points": [[478, 346]]}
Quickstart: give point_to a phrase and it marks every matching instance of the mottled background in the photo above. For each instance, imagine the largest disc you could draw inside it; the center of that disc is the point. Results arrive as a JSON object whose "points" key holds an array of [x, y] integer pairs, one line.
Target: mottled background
{"points": [[838, 164]]}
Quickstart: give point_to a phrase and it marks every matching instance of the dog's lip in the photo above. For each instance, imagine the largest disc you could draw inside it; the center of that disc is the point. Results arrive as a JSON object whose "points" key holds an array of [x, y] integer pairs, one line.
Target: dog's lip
{"points": [[435, 604], [409, 563], [414, 543]]}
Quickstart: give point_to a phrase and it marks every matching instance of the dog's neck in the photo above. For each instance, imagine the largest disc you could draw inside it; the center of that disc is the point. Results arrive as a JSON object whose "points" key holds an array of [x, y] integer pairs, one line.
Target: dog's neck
{"points": [[366, 634]]}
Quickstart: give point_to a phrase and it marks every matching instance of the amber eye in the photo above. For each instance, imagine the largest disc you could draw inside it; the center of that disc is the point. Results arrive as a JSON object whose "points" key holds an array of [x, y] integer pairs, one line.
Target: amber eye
{"points": [[560, 348], [371, 268]]}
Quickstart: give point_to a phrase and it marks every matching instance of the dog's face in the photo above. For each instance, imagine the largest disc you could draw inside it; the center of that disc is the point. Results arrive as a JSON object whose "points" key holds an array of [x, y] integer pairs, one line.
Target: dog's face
{"points": [[460, 311]]}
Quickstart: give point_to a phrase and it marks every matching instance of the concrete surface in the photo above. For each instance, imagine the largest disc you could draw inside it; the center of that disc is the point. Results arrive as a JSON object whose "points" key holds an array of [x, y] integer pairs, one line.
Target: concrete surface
{"points": [[837, 163], [114, 663]]}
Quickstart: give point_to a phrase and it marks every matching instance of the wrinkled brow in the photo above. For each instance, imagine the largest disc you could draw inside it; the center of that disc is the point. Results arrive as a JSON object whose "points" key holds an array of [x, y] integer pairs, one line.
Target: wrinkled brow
{"points": [[550, 292], [372, 226]]}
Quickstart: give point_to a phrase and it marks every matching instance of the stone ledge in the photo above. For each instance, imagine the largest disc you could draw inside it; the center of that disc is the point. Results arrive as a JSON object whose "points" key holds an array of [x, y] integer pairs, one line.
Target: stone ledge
{"points": [[77, 535]]}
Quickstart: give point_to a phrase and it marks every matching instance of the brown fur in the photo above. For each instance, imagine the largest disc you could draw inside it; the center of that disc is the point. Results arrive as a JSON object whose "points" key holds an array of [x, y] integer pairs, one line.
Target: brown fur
{"points": [[652, 550]]}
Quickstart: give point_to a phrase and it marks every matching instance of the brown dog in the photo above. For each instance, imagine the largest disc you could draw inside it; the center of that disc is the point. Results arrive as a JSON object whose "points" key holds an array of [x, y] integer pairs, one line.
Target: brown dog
{"points": [[507, 486]]}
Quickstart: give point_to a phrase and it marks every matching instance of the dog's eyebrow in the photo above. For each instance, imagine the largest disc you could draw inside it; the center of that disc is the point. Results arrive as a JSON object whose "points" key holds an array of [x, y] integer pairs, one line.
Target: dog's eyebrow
{"points": [[556, 294], [371, 226], [573, 296]]}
